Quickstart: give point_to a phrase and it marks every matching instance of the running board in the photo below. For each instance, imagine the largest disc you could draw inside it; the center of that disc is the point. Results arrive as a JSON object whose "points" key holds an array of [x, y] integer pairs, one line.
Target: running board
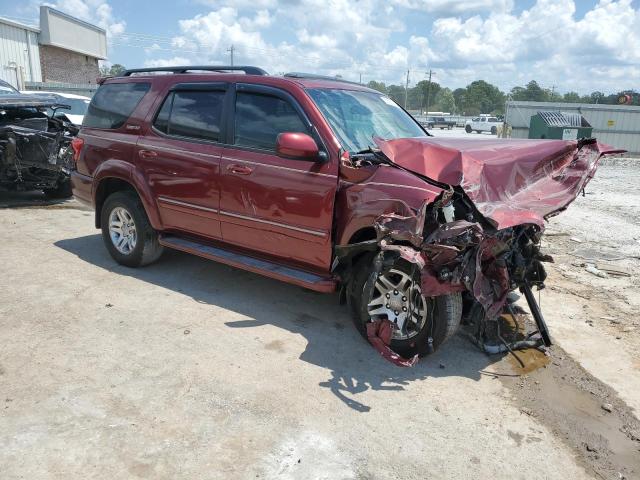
{"points": [[252, 264]]}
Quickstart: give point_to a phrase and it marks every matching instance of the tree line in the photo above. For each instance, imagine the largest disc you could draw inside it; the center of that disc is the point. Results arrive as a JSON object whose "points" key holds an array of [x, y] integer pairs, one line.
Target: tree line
{"points": [[482, 97]]}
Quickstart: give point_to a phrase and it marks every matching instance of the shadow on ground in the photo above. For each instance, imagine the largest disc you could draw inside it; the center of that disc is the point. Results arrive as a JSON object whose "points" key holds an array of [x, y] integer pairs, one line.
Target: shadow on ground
{"points": [[33, 199], [332, 341]]}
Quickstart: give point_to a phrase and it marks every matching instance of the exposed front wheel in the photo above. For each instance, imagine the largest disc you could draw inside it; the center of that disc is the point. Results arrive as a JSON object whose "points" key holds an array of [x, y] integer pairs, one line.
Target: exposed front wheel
{"points": [[421, 323], [126, 231]]}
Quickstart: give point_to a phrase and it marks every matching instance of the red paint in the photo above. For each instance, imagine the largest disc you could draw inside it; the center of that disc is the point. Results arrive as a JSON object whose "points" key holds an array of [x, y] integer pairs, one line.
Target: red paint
{"points": [[299, 146], [294, 210], [511, 182]]}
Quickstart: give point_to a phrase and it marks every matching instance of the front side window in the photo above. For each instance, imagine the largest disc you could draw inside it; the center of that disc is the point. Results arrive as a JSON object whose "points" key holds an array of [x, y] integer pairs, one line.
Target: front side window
{"points": [[113, 103], [193, 114], [260, 118], [356, 117]]}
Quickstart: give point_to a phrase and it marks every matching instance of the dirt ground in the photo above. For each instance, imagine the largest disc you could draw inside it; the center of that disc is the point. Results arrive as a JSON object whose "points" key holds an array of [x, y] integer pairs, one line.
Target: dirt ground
{"points": [[191, 369]]}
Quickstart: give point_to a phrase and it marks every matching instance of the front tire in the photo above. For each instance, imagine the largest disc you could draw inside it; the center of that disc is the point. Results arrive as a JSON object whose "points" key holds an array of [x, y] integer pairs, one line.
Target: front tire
{"points": [[468, 129], [423, 324], [126, 231]]}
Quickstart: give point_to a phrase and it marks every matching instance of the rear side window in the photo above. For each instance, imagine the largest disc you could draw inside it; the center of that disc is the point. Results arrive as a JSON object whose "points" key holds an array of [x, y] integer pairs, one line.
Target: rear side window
{"points": [[113, 103], [260, 118], [193, 114]]}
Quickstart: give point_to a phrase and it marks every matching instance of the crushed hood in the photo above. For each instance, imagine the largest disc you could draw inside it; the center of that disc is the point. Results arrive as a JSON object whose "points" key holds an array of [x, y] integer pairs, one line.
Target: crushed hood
{"points": [[510, 181]]}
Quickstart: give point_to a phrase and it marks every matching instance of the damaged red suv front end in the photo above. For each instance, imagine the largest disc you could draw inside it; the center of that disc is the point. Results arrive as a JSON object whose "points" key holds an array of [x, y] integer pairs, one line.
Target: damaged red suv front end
{"points": [[480, 234]]}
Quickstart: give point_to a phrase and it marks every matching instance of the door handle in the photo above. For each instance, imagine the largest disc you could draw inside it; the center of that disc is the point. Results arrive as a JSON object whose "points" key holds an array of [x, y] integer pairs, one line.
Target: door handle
{"points": [[240, 169], [147, 154]]}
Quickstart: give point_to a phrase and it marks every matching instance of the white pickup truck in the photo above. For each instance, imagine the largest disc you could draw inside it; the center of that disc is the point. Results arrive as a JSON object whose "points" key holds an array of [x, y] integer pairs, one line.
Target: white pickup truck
{"points": [[483, 124]]}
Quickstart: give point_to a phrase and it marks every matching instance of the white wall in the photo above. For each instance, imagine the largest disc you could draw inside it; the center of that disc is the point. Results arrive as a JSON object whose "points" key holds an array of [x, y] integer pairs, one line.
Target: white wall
{"points": [[19, 46], [61, 30]]}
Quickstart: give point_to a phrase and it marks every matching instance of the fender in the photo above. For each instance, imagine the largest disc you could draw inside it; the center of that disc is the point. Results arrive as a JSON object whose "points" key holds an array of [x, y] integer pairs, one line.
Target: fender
{"points": [[388, 190], [127, 172]]}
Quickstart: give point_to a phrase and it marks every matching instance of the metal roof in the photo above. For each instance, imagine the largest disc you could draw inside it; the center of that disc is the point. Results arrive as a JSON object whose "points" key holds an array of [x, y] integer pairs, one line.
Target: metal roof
{"points": [[563, 119]]}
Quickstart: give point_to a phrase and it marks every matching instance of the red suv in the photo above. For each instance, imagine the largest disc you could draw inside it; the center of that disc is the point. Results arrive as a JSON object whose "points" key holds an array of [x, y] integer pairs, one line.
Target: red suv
{"points": [[324, 184]]}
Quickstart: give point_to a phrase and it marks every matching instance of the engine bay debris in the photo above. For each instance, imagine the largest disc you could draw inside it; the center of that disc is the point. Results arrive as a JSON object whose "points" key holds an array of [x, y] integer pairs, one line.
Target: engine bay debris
{"points": [[481, 236]]}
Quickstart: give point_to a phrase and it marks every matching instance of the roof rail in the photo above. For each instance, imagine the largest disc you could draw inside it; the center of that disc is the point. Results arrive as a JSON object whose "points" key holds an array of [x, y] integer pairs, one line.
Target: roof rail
{"points": [[313, 76], [189, 68]]}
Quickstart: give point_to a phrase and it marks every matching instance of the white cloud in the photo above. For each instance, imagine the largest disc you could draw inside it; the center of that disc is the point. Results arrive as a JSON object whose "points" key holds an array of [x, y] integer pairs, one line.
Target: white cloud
{"points": [[466, 41], [168, 62], [457, 6]]}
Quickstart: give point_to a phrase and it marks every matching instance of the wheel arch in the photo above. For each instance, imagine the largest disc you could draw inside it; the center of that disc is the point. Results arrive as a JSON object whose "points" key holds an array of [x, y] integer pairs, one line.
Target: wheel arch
{"points": [[109, 183]]}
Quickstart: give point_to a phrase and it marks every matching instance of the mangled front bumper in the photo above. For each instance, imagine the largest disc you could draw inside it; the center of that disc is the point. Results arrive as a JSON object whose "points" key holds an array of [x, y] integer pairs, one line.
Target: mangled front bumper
{"points": [[481, 236]]}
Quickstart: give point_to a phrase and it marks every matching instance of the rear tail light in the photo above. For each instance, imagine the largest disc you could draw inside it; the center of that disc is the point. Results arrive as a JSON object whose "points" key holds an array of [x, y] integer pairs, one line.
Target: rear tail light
{"points": [[77, 144]]}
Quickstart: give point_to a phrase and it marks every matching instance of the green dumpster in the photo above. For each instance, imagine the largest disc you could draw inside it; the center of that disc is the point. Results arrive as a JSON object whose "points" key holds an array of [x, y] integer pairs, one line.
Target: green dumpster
{"points": [[559, 126]]}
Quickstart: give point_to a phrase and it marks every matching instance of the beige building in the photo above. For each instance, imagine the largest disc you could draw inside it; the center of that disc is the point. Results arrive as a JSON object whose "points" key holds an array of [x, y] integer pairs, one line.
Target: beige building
{"points": [[63, 49]]}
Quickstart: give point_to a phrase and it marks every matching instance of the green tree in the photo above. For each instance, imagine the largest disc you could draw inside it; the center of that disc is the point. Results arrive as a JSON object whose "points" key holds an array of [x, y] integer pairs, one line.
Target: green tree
{"points": [[571, 97], [423, 89], [112, 71], [445, 101], [531, 92], [482, 97], [396, 92], [379, 86]]}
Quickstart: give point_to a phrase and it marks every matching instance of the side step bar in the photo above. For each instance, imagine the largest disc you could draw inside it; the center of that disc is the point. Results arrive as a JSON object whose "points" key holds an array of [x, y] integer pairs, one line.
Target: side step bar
{"points": [[295, 276]]}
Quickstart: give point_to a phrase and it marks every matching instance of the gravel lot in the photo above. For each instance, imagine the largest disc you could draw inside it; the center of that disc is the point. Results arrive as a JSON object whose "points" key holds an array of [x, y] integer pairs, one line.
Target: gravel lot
{"points": [[191, 369]]}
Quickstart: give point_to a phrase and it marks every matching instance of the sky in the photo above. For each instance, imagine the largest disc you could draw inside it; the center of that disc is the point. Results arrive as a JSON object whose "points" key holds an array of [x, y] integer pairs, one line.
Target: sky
{"points": [[568, 45]]}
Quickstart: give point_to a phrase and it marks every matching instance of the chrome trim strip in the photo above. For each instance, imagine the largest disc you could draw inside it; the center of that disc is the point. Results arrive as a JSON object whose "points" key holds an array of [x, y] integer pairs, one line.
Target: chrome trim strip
{"points": [[185, 204], [176, 150], [171, 201], [317, 233], [111, 139], [280, 167]]}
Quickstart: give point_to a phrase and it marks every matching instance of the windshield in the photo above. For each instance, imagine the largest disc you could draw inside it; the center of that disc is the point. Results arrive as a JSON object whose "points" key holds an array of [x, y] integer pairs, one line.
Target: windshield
{"points": [[6, 89], [78, 106], [356, 117]]}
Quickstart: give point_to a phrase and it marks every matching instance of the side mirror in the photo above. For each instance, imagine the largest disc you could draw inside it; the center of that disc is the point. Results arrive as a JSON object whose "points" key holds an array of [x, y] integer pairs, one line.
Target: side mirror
{"points": [[298, 146]]}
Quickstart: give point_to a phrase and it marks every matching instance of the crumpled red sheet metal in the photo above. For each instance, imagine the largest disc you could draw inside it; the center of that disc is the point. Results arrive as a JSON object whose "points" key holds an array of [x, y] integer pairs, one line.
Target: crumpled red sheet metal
{"points": [[510, 181], [379, 334]]}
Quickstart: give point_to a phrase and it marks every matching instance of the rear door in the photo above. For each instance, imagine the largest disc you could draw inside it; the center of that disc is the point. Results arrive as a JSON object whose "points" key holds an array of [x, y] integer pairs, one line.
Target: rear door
{"points": [[180, 157], [273, 205]]}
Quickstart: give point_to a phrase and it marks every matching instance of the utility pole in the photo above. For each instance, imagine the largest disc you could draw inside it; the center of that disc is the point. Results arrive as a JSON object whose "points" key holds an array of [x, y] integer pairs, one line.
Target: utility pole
{"points": [[230, 50], [428, 92], [553, 91], [406, 90]]}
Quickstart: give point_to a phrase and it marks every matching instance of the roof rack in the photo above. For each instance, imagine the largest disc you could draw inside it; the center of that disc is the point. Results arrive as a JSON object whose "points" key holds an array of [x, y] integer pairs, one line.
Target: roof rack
{"points": [[313, 76], [190, 68]]}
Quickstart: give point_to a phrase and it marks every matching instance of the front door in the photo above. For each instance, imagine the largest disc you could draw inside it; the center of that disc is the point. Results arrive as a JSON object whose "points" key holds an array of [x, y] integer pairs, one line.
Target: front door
{"points": [[180, 157], [269, 204]]}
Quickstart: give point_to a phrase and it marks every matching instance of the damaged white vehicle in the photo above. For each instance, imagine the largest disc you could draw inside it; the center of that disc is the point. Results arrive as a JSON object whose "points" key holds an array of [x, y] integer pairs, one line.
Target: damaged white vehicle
{"points": [[35, 147]]}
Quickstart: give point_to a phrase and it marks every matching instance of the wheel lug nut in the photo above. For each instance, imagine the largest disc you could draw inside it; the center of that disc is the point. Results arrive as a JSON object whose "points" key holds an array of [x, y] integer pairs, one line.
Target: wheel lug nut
{"points": [[404, 299], [387, 295], [396, 312], [395, 292], [404, 309], [387, 305]]}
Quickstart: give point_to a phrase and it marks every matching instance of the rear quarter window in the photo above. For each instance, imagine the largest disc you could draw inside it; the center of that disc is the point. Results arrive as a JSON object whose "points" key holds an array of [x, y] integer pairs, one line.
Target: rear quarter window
{"points": [[113, 103]]}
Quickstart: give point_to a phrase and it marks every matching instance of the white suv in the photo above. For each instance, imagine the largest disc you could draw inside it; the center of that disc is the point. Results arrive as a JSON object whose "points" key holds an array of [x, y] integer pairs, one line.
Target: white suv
{"points": [[482, 124]]}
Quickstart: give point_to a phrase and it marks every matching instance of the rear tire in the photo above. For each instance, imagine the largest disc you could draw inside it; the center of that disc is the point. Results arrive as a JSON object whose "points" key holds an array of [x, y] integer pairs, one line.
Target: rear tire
{"points": [[442, 318], [494, 130], [126, 231]]}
